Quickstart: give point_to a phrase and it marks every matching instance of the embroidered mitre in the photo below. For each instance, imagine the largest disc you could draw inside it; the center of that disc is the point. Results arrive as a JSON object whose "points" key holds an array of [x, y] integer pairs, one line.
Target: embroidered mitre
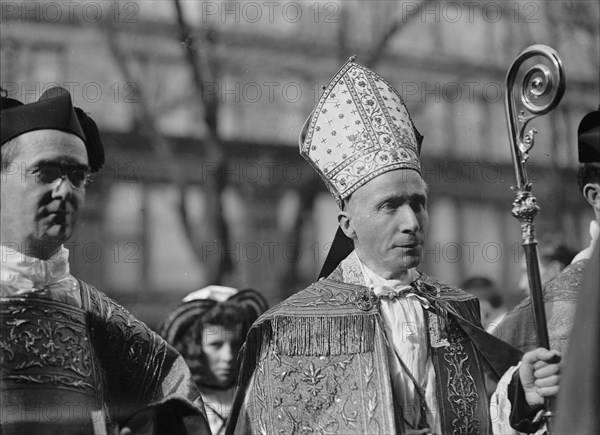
{"points": [[359, 129]]}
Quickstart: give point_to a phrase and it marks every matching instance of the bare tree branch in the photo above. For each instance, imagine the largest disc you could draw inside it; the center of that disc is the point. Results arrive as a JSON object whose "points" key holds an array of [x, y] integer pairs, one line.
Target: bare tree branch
{"points": [[161, 147], [214, 152], [158, 142], [288, 271], [381, 45], [202, 77], [163, 150]]}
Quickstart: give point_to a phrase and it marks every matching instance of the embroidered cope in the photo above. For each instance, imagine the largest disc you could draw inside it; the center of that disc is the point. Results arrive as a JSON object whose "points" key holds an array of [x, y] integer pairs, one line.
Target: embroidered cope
{"points": [[561, 294], [343, 356]]}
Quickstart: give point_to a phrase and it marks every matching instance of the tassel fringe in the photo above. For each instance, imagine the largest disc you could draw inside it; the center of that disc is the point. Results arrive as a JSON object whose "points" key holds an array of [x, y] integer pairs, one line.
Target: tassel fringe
{"points": [[258, 336], [307, 336], [324, 336]]}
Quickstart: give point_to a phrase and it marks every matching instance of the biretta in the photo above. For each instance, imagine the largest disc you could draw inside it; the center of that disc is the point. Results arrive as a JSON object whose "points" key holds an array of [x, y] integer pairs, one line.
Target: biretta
{"points": [[54, 110], [359, 129], [588, 135]]}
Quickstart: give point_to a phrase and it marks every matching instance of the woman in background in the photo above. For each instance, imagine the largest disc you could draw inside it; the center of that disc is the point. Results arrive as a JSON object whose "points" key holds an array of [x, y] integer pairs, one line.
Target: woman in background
{"points": [[208, 328]]}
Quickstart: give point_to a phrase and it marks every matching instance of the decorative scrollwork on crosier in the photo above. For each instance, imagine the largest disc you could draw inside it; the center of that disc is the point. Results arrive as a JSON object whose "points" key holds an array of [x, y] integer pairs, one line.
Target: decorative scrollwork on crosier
{"points": [[540, 90]]}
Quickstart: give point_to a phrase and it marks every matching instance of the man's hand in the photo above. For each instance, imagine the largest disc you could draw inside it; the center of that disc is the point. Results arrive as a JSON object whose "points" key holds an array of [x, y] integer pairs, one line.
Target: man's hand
{"points": [[540, 375]]}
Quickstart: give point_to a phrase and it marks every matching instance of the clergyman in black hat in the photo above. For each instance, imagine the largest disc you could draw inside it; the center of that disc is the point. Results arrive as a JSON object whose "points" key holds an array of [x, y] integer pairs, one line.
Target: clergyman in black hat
{"points": [[72, 360]]}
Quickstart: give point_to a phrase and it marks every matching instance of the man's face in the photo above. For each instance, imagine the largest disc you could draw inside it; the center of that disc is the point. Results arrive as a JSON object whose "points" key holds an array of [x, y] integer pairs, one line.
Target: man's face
{"points": [[221, 346], [388, 220], [39, 208]]}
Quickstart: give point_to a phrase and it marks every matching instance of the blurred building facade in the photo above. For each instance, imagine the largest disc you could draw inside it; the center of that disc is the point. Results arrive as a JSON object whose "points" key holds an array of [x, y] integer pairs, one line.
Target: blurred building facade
{"points": [[269, 61]]}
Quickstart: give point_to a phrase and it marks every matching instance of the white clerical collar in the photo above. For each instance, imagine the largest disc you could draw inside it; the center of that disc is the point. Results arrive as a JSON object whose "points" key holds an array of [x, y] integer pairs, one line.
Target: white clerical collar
{"points": [[21, 274], [586, 254], [382, 286], [372, 278]]}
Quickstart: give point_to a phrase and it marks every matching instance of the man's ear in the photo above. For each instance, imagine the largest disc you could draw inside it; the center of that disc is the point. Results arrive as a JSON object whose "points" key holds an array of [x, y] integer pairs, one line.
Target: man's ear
{"points": [[591, 193], [345, 222]]}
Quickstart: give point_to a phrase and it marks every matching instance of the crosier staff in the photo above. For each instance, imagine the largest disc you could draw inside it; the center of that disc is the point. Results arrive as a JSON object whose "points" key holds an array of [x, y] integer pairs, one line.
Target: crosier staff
{"points": [[539, 91]]}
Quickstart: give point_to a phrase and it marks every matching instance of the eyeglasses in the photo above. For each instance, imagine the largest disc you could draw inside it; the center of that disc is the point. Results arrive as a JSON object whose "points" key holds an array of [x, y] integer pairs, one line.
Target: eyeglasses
{"points": [[48, 174]]}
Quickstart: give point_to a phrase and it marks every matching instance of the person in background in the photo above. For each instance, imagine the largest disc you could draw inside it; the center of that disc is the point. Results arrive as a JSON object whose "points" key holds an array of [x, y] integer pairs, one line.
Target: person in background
{"points": [[208, 328], [491, 302], [562, 292], [73, 361]]}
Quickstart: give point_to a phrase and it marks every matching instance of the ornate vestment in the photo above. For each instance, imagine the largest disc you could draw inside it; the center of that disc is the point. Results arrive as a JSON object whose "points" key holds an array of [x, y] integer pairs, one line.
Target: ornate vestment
{"points": [[69, 363], [560, 301], [318, 362]]}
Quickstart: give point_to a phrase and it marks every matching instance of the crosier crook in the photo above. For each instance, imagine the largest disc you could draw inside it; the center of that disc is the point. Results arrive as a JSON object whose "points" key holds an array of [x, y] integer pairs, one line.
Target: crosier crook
{"points": [[539, 92]]}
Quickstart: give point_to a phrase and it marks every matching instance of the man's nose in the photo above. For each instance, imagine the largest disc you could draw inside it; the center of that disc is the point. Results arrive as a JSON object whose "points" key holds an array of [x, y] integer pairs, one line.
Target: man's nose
{"points": [[408, 221], [227, 352], [62, 188]]}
